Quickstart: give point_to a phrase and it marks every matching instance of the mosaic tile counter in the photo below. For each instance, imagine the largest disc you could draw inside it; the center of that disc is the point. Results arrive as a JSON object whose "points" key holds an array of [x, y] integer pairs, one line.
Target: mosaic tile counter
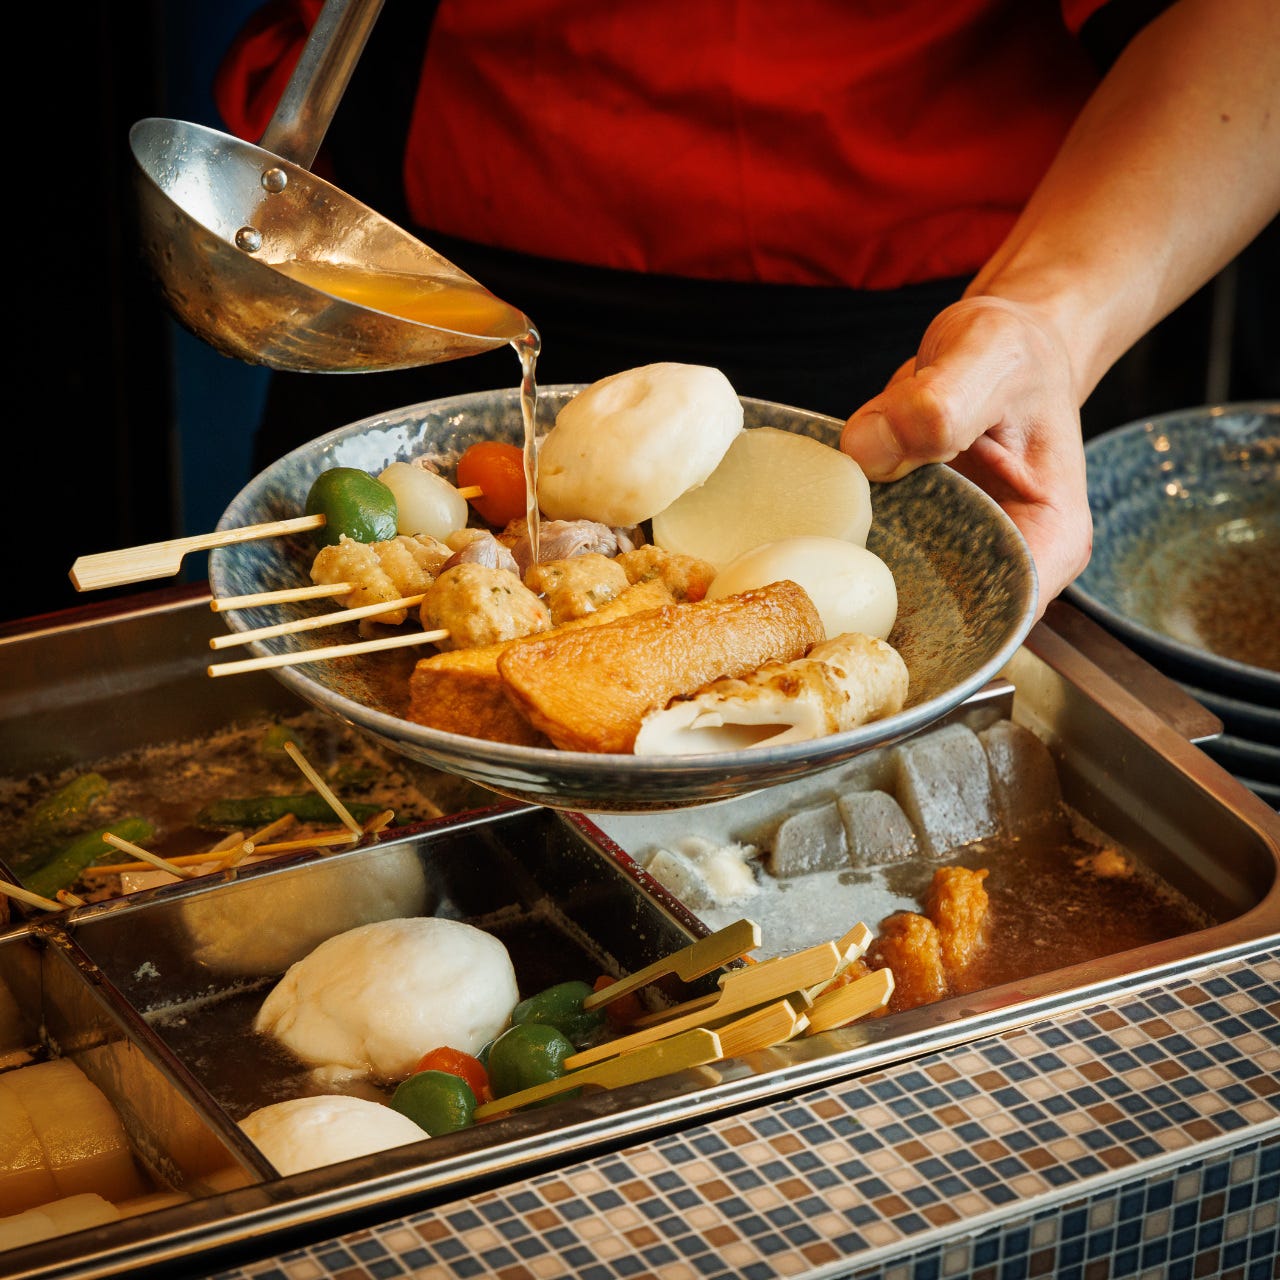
{"points": [[1136, 1138]]}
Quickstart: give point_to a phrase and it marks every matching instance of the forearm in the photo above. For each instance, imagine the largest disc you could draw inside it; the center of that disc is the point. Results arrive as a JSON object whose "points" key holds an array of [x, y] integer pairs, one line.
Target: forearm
{"points": [[1171, 169]]}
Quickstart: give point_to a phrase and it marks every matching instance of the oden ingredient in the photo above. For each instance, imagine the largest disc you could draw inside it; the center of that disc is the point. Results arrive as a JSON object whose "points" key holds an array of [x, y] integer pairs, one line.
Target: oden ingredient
{"points": [[589, 689], [770, 484], [852, 587], [629, 445], [838, 685], [307, 1133], [368, 1000], [352, 503], [60, 1137], [425, 502]]}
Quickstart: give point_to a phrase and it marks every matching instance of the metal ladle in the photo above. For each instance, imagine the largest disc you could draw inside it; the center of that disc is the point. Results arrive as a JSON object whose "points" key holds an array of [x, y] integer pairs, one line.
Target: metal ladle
{"points": [[222, 220]]}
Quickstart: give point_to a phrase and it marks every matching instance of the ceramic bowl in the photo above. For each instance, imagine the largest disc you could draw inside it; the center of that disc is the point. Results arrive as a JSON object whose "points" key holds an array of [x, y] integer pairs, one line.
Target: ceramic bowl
{"points": [[1186, 512], [965, 579]]}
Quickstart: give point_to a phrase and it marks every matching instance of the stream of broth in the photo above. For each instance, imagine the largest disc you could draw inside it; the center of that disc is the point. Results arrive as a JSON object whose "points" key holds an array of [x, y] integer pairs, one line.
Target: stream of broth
{"points": [[453, 305]]}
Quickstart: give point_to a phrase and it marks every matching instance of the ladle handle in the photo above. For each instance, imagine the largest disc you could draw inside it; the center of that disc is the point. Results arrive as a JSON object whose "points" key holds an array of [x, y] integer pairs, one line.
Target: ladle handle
{"points": [[306, 107]]}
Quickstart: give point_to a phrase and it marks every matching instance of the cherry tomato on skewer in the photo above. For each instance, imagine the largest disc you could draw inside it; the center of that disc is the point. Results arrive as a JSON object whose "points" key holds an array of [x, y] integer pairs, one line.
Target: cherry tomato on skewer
{"points": [[623, 1011], [497, 469], [456, 1063]]}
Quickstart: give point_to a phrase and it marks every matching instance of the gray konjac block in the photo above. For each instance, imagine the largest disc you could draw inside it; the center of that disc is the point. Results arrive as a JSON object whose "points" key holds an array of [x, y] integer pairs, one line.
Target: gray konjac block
{"points": [[876, 828], [1024, 778], [944, 787], [809, 840]]}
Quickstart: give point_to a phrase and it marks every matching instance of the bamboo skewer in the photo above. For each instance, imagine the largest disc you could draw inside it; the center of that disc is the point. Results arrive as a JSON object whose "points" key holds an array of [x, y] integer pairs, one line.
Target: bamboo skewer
{"points": [[19, 894], [853, 946], [321, 841], [191, 860], [761, 1029], [286, 595], [344, 814], [236, 844], [164, 559], [701, 957], [741, 990], [314, 623], [145, 855], [296, 657], [692, 1049], [853, 1001]]}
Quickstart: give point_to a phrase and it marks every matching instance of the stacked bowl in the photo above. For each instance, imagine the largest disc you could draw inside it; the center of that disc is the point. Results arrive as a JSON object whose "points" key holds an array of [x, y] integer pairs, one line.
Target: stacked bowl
{"points": [[1186, 566]]}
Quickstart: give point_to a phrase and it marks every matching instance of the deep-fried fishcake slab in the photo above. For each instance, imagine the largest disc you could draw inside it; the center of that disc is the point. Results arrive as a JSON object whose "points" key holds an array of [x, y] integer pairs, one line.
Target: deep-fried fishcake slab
{"points": [[462, 692], [589, 689]]}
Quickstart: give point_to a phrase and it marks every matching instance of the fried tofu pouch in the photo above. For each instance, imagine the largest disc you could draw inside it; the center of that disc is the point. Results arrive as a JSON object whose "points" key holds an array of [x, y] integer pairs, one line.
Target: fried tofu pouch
{"points": [[590, 689], [462, 692]]}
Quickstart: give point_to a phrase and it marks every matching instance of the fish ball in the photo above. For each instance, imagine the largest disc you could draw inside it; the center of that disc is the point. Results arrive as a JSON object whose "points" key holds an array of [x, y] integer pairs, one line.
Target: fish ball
{"points": [[851, 587], [373, 1000], [629, 445], [425, 502], [306, 1133]]}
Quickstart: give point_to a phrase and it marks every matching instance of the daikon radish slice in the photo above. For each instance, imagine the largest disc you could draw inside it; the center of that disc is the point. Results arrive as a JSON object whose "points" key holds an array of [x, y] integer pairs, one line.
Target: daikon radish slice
{"points": [[84, 1141], [852, 588], [57, 1218], [770, 484], [25, 1180]]}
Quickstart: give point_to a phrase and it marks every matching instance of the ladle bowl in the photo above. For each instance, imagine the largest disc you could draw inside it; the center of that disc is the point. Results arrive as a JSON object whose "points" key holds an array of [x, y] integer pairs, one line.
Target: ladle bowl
{"points": [[199, 189], [223, 221]]}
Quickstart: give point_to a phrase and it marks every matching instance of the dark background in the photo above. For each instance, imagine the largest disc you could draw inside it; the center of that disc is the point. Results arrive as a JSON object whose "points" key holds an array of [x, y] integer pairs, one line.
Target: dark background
{"points": [[131, 431]]}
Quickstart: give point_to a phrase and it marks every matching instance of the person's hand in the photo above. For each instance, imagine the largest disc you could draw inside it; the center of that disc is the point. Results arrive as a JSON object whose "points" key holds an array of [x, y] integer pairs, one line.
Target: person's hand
{"points": [[990, 392]]}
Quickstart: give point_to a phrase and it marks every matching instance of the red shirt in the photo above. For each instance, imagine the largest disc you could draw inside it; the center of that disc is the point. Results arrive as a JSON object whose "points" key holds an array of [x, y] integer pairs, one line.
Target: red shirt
{"points": [[869, 143]]}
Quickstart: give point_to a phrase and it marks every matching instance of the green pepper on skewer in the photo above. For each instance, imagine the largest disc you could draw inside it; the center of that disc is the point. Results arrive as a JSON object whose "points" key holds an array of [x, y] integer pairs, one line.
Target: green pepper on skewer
{"points": [[252, 812], [63, 869]]}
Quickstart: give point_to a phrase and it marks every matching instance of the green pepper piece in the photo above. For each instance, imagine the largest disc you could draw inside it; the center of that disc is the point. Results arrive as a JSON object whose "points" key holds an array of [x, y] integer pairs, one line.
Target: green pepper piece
{"points": [[65, 867], [437, 1101], [275, 737], [239, 813], [352, 502], [527, 1054], [560, 1006], [63, 810]]}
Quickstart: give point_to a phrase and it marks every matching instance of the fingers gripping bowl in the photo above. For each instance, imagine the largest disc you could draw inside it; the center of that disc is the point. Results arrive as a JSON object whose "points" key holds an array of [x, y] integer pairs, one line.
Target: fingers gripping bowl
{"points": [[966, 600]]}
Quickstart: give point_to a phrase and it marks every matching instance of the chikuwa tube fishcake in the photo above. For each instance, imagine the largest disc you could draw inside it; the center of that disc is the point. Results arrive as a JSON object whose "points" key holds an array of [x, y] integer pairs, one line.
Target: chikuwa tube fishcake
{"points": [[590, 689], [840, 684]]}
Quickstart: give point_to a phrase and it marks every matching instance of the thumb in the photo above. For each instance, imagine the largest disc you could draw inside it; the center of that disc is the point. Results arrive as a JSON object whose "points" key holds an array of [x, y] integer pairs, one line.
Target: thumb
{"points": [[937, 405]]}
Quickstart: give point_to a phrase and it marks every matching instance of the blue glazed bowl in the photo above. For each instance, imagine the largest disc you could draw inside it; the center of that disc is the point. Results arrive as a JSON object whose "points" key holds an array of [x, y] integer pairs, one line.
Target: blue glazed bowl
{"points": [[965, 580], [1186, 558]]}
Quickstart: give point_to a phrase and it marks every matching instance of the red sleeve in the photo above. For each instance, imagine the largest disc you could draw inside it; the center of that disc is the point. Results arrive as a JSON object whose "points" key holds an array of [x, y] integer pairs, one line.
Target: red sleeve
{"points": [[1077, 12], [252, 76]]}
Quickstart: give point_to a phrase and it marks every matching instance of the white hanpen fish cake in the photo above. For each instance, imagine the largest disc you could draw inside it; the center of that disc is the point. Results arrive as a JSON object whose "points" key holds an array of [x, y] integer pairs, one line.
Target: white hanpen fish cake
{"points": [[838, 685]]}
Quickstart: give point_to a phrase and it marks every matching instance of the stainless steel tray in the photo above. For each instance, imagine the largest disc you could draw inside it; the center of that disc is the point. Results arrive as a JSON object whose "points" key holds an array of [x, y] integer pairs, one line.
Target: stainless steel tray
{"points": [[1122, 764]]}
